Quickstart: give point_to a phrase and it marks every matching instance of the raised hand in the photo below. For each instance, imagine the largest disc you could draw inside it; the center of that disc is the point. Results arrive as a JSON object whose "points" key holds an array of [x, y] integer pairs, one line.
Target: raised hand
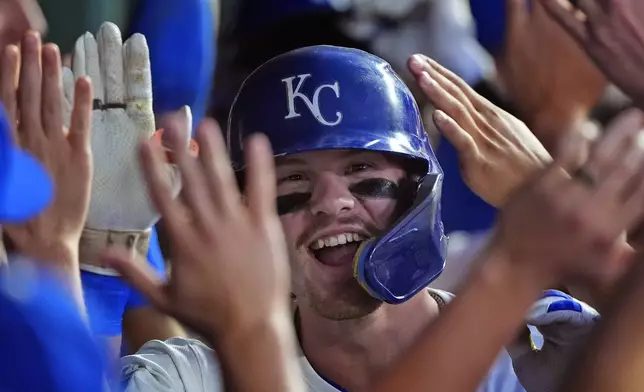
{"points": [[551, 82], [612, 33], [571, 225], [230, 267], [565, 323], [497, 152], [122, 118], [555, 228], [230, 275], [35, 106]]}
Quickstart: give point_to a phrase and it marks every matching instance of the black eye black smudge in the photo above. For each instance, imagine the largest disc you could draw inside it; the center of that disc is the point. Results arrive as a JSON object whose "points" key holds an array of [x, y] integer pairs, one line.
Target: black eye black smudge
{"points": [[377, 188], [292, 202], [374, 188]]}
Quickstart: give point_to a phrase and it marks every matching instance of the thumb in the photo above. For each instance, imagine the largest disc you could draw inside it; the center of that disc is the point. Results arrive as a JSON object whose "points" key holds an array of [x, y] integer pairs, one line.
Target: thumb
{"points": [[136, 271]]}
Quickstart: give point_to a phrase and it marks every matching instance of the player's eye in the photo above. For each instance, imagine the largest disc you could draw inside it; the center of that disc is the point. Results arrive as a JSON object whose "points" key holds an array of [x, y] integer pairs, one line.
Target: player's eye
{"points": [[358, 167]]}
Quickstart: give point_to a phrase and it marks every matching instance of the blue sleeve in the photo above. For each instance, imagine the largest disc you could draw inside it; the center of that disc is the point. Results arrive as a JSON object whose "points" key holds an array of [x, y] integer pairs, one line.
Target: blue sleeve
{"points": [[155, 259], [181, 38]]}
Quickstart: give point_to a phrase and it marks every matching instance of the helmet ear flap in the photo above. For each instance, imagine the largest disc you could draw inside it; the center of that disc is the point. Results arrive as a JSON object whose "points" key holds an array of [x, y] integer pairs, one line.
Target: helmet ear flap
{"points": [[408, 187]]}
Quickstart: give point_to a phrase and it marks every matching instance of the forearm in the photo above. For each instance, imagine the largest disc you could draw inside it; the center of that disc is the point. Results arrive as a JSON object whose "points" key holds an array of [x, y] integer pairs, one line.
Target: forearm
{"points": [[143, 324], [63, 258], [471, 331], [615, 356], [260, 359]]}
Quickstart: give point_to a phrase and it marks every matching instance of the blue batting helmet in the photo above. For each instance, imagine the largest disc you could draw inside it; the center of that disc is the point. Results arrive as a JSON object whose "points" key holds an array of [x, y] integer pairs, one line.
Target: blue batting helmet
{"points": [[326, 97]]}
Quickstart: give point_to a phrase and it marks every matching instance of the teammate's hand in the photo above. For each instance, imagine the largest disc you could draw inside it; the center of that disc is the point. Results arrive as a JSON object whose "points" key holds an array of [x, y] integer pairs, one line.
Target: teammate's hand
{"points": [[612, 33], [551, 82], [18, 17], [35, 105], [567, 227], [496, 151], [229, 262], [564, 323], [122, 118]]}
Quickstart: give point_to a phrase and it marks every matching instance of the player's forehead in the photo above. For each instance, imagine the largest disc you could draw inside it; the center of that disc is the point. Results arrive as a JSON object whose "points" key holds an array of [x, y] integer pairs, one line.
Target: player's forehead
{"points": [[329, 159]]}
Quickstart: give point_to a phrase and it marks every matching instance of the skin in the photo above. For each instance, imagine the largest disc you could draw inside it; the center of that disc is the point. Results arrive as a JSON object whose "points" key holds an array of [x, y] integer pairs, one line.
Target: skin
{"points": [[347, 335], [615, 355]]}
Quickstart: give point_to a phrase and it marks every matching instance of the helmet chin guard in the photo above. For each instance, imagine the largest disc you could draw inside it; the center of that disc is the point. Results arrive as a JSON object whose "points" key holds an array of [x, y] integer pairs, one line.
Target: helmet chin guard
{"points": [[397, 265]]}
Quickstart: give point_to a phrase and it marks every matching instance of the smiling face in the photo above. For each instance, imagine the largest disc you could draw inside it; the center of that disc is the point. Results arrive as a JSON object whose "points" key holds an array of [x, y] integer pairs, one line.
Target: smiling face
{"points": [[329, 202]]}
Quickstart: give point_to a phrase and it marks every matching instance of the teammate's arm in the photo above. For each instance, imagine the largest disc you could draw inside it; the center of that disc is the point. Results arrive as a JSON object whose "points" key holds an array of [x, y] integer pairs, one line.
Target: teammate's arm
{"points": [[547, 233], [471, 331], [614, 358]]}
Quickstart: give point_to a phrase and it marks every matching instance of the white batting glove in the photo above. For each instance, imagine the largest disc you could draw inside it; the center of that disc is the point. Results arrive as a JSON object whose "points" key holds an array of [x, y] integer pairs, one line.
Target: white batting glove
{"points": [[122, 118], [565, 324]]}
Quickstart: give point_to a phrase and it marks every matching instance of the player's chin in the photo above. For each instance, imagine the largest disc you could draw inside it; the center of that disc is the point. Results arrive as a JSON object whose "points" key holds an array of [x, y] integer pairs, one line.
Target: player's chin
{"points": [[341, 300]]}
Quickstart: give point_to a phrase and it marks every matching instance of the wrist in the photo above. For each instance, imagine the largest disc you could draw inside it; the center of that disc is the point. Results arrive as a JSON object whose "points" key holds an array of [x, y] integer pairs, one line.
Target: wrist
{"points": [[549, 123], [275, 327], [506, 267], [94, 242]]}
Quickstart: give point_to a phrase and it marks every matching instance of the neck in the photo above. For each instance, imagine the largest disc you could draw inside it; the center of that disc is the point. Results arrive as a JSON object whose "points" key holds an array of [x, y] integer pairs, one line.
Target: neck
{"points": [[352, 352]]}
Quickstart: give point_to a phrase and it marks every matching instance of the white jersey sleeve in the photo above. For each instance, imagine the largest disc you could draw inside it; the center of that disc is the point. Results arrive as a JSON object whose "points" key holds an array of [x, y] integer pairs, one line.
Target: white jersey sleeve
{"points": [[177, 365], [188, 365]]}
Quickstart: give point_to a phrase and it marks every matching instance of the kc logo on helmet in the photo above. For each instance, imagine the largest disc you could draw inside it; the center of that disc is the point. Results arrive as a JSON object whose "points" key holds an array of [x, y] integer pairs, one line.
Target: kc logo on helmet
{"points": [[314, 103]]}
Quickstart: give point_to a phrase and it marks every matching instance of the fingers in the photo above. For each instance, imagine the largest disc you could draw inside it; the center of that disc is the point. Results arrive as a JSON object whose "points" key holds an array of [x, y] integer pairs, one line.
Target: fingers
{"points": [[476, 100], [137, 274], [619, 158], [184, 121], [194, 183], [457, 136], [633, 203], [86, 63], [219, 173], [626, 172], [260, 189], [156, 177], [29, 93], [569, 157], [52, 93], [419, 65], [81, 117], [9, 84], [110, 51], [573, 148], [138, 83], [592, 9], [562, 12], [619, 138], [446, 102], [68, 90]]}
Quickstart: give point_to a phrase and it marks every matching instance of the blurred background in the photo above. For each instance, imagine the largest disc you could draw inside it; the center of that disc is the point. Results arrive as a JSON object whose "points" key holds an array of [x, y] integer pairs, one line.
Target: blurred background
{"points": [[202, 50]]}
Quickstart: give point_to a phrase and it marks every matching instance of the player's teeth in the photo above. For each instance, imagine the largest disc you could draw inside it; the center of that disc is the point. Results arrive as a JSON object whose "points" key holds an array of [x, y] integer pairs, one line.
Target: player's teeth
{"points": [[340, 239]]}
